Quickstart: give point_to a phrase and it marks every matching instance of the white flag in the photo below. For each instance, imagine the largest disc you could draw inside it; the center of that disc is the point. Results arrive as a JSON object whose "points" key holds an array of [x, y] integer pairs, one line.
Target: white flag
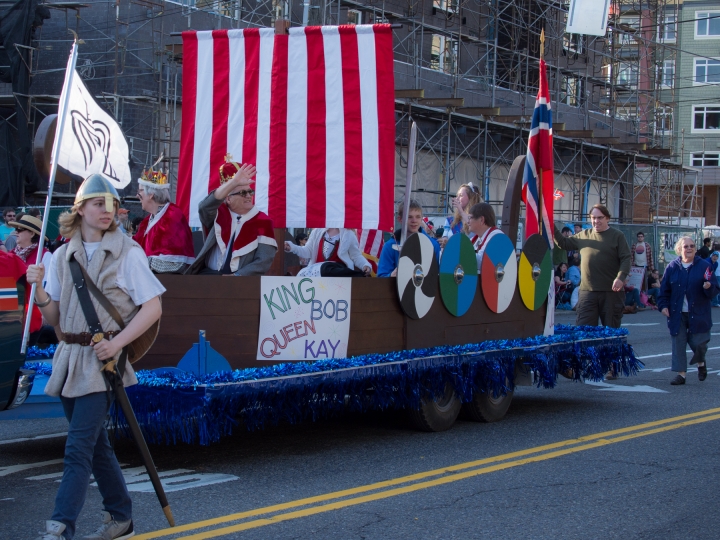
{"points": [[92, 141]]}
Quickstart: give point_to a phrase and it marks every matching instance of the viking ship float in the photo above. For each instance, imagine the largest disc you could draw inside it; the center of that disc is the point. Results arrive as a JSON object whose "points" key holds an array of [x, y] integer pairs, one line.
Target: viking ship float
{"points": [[255, 351]]}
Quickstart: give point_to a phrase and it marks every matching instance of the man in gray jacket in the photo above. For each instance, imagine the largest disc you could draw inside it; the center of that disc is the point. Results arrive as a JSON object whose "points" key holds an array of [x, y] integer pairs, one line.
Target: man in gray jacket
{"points": [[240, 239]]}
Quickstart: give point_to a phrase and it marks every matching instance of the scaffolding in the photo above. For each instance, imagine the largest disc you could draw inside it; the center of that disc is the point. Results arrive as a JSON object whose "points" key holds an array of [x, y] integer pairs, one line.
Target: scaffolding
{"points": [[466, 70]]}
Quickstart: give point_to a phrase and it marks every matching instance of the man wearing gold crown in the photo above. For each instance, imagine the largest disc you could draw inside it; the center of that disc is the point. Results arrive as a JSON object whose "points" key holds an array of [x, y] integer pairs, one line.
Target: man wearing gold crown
{"points": [[240, 238], [164, 234]]}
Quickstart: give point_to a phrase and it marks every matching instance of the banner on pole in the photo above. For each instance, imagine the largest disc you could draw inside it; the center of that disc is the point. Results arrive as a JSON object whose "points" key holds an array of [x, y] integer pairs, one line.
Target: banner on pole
{"points": [[588, 17], [92, 141], [303, 318]]}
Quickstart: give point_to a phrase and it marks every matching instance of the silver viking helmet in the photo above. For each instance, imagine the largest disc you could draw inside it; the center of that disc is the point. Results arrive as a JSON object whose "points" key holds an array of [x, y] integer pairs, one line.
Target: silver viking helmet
{"points": [[97, 185]]}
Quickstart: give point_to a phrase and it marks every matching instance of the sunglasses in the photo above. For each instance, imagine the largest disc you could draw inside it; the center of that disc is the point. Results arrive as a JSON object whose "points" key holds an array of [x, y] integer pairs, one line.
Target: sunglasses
{"points": [[243, 193]]}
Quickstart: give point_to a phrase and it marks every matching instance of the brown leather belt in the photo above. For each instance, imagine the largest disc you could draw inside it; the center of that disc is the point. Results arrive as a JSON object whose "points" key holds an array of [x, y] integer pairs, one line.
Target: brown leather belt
{"points": [[85, 338]]}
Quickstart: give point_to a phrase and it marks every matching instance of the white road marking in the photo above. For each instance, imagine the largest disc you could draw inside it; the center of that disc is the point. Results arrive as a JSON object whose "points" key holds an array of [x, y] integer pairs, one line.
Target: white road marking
{"points": [[670, 353], [641, 324], [51, 436], [605, 387], [187, 481], [4, 471]]}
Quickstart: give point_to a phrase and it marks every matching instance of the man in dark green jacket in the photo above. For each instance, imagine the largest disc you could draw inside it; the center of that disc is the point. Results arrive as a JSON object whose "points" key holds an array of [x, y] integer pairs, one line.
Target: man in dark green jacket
{"points": [[604, 265]]}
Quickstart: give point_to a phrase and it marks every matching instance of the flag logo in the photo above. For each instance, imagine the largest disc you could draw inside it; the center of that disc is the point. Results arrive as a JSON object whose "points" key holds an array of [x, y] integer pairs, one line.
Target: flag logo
{"points": [[8, 294], [97, 144], [708, 274]]}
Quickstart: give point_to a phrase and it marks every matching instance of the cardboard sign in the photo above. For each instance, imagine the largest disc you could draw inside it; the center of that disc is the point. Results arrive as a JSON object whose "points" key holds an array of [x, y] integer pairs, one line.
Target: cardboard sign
{"points": [[303, 318], [636, 277]]}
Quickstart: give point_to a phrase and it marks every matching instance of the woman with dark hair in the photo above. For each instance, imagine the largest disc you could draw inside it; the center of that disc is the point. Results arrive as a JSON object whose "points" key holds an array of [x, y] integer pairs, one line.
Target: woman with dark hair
{"points": [[482, 227]]}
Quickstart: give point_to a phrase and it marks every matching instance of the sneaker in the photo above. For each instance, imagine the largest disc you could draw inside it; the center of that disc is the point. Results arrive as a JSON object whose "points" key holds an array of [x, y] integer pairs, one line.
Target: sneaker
{"points": [[53, 531], [112, 530], [702, 372], [679, 379]]}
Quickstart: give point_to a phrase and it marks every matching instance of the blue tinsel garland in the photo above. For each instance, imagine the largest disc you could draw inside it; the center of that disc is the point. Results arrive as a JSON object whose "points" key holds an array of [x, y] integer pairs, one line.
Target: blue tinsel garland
{"points": [[181, 406]]}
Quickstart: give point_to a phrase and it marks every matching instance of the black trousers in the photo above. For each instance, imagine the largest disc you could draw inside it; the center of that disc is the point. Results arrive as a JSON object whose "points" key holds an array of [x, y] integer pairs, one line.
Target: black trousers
{"points": [[604, 305]]}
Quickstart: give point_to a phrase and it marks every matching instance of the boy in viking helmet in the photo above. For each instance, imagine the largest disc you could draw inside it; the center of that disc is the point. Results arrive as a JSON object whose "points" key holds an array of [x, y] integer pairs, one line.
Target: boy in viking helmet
{"points": [[164, 234], [240, 238], [119, 268]]}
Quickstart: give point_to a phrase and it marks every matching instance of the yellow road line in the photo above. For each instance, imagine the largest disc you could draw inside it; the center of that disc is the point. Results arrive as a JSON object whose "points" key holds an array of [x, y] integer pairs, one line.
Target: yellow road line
{"points": [[601, 439]]}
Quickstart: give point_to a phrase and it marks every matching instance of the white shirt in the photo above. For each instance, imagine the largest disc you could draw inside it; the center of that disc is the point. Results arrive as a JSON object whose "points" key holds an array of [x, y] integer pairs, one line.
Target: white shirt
{"points": [[134, 276], [481, 244], [215, 259], [686, 306]]}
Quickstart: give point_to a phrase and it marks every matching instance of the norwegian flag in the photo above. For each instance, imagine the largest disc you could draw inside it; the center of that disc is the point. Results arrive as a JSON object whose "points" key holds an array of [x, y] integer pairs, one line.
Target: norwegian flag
{"points": [[558, 195], [708, 273], [312, 110], [371, 244], [540, 157]]}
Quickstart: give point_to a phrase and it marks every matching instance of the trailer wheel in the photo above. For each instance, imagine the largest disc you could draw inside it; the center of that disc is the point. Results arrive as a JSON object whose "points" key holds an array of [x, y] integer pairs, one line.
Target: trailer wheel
{"points": [[484, 407], [437, 414]]}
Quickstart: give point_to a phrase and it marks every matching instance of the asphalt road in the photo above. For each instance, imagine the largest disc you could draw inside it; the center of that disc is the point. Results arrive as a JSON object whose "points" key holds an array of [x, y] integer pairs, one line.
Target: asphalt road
{"points": [[633, 458]]}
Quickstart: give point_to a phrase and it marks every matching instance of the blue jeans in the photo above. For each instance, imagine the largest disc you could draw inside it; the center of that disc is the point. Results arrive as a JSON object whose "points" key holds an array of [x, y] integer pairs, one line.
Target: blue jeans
{"points": [[698, 345], [88, 450], [653, 292]]}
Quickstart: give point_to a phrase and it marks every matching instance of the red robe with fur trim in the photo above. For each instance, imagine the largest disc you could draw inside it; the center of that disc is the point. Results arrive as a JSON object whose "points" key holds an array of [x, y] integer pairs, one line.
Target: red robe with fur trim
{"points": [[168, 237], [255, 228]]}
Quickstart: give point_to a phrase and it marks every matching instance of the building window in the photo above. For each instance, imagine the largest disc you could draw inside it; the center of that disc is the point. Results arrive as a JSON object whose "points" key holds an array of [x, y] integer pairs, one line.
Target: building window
{"points": [[706, 117], [707, 71], [446, 5], [706, 160], [667, 77], [628, 75], [354, 16], [664, 120], [443, 53], [707, 24], [571, 91], [668, 31], [573, 43], [630, 27]]}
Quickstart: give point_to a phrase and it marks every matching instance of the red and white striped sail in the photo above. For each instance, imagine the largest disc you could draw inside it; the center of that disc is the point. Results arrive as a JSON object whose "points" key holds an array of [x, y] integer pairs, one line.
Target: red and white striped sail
{"points": [[312, 110], [371, 244]]}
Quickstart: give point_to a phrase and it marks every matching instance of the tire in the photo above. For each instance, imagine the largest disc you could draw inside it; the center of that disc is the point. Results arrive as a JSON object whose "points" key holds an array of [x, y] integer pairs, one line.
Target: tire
{"points": [[437, 414], [486, 408]]}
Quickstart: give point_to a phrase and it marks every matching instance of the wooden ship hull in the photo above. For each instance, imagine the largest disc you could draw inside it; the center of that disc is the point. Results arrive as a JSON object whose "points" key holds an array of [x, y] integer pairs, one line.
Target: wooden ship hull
{"points": [[228, 309]]}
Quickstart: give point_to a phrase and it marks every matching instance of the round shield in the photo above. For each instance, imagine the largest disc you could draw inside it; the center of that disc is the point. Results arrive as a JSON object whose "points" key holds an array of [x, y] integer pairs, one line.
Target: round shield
{"points": [[417, 276], [535, 272], [458, 274], [499, 273]]}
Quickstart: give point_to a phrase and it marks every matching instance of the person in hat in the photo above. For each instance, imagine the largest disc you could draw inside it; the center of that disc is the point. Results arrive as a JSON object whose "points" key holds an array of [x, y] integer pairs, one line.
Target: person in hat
{"points": [[119, 268], [164, 234], [240, 239], [27, 239]]}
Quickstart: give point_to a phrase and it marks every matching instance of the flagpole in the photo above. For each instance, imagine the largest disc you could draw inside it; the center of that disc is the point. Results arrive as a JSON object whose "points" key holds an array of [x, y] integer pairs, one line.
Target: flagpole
{"points": [[541, 221], [62, 109]]}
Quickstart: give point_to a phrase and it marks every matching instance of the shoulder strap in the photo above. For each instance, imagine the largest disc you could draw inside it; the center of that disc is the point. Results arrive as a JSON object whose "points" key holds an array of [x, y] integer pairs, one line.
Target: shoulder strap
{"points": [[81, 289], [102, 299]]}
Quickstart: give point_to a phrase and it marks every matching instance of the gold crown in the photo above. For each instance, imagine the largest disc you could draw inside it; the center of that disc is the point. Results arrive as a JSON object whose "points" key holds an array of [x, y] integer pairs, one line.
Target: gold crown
{"points": [[228, 169], [154, 179]]}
